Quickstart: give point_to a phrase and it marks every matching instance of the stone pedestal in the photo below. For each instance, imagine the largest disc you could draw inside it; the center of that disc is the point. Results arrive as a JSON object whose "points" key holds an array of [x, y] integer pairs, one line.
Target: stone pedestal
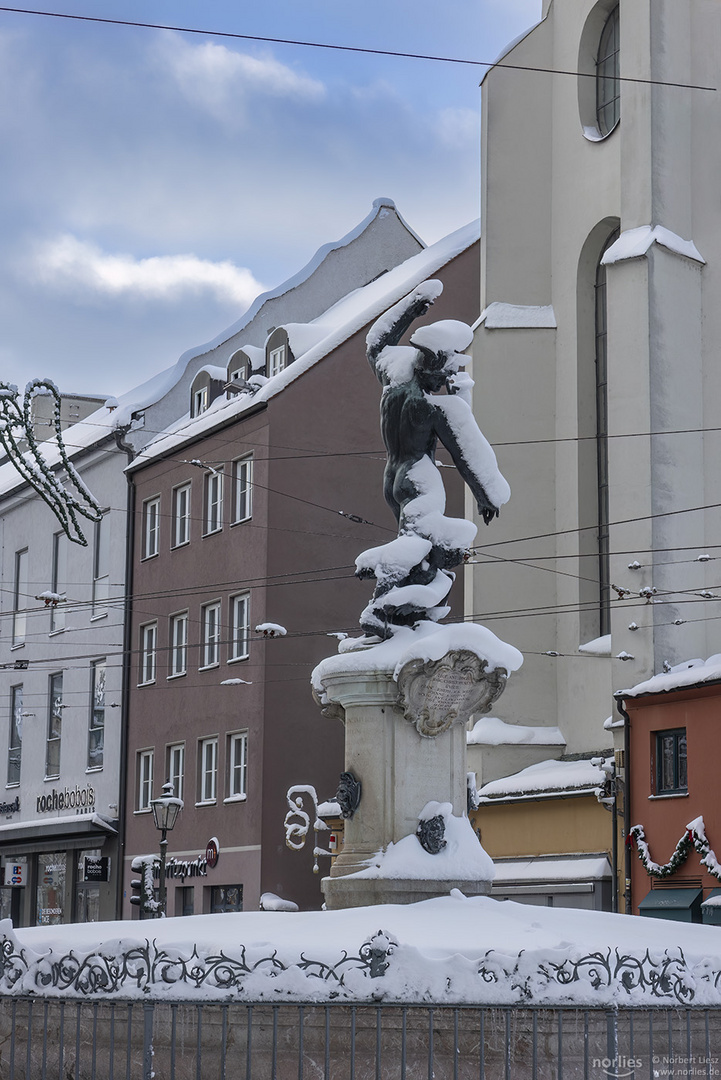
{"points": [[405, 741]]}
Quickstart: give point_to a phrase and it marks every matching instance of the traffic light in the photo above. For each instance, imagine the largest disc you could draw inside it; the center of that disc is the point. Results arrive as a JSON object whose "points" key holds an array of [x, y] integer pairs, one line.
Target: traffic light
{"points": [[137, 898]]}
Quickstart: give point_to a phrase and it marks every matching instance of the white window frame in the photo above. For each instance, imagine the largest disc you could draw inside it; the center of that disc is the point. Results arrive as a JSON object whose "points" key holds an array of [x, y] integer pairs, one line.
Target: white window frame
{"points": [[15, 736], [239, 627], [96, 720], [200, 400], [176, 768], [178, 644], [210, 629], [237, 756], [55, 724], [148, 654], [20, 597], [59, 580], [101, 564], [276, 360], [151, 527], [145, 762], [207, 771], [181, 515], [213, 502], [242, 479]]}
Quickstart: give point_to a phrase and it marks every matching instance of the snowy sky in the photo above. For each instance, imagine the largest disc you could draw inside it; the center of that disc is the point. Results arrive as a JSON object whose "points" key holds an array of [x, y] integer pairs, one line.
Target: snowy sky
{"points": [[154, 182]]}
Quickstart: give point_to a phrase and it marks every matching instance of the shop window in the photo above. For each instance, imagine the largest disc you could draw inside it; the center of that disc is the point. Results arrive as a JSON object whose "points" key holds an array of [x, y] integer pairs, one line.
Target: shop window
{"points": [[176, 768], [144, 779], [148, 654], [20, 597], [210, 645], [87, 894], [101, 566], [15, 740], [181, 515], [242, 488], [671, 772], [178, 644], [185, 900], [59, 580], [238, 765], [213, 510], [239, 627], [50, 891], [226, 898], [208, 771], [55, 727]]}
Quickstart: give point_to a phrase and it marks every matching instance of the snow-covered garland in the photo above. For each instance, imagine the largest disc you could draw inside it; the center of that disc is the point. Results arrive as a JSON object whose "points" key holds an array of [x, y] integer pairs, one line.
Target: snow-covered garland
{"points": [[694, 837], [16, 421]]}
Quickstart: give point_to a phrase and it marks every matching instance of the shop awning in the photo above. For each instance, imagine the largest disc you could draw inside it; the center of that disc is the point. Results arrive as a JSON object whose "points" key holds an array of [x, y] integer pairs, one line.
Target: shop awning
{"points": [[681, 905], [711, 908]]}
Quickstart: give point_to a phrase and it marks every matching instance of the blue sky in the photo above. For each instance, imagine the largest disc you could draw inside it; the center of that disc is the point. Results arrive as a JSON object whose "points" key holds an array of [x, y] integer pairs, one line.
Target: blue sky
{"points": [[153, 182]]}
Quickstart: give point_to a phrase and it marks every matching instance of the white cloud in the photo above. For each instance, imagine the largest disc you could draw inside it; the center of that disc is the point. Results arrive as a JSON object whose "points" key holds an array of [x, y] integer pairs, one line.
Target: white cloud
{"points": [[71, 264], [459, 127], [220, 79]]}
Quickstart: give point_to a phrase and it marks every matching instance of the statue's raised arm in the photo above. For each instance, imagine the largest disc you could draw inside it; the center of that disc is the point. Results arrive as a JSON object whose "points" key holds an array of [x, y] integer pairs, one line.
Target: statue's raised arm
{"points": [[390, 328]]}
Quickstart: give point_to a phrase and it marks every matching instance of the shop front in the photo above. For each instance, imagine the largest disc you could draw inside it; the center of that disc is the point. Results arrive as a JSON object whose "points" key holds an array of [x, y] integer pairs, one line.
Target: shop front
{"points": [[58, 870]]}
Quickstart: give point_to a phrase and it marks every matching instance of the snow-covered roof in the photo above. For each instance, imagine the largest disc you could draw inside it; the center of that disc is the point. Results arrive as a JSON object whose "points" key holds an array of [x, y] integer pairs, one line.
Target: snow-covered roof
{"points": [[490, 731], [546, 778], [689, 673], [321, 336], [510, 47], [551, 869], [215, 371]]}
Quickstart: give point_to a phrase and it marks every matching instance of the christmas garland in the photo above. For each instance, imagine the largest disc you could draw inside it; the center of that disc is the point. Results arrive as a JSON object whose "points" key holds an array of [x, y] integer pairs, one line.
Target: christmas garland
{"points": [[16, 421], [694, 837]]}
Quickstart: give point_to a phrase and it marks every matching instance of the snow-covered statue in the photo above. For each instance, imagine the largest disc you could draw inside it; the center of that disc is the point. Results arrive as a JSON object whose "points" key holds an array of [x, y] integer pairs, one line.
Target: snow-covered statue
{"points": [[414, 571]]}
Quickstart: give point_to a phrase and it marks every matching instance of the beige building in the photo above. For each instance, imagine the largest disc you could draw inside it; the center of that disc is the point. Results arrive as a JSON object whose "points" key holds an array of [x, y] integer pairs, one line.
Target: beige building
{"points": [[595, 357]]}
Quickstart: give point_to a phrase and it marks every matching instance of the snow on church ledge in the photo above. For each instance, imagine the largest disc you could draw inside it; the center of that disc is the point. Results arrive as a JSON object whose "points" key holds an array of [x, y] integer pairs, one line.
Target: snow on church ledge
{"points": [[500, 316], [634, 243]]}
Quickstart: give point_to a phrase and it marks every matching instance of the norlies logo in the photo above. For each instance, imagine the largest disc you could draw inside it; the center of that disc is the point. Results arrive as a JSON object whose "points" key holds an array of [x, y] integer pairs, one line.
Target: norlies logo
{"points": [[68, 799]]}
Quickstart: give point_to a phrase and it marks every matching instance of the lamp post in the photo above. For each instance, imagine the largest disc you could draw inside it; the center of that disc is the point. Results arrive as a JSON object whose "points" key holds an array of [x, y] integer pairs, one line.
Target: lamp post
{"points": [[165, 813]]}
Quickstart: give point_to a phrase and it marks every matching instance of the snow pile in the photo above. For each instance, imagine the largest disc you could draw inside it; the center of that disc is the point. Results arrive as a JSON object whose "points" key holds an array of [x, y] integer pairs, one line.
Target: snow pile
{"points": [[270, 901], [689, 673], [546, 777], [451, 950], [490, 731], [461, 859], [600, 646]]}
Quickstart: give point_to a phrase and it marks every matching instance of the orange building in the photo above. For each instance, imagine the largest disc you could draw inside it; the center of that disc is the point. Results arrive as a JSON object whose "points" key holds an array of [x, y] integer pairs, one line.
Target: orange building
{"points": [[673, 821]]}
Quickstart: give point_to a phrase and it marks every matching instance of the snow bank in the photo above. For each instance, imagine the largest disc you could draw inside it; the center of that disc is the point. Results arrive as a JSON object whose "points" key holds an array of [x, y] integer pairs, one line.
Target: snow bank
{"points": [[452, 950], [462, 858]]}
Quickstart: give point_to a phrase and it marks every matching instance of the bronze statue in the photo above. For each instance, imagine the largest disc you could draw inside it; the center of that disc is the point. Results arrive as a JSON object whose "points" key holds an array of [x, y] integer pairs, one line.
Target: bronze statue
{"points": [[413, 572]]}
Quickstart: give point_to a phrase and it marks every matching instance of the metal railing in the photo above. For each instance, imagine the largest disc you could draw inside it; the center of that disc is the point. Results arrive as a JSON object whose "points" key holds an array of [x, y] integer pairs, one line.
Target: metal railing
{"points": [[104, 1040]]}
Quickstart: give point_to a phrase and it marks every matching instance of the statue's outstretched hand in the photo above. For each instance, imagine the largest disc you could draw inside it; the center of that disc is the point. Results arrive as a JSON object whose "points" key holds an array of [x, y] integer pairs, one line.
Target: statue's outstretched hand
{"points": [[488, 512]]}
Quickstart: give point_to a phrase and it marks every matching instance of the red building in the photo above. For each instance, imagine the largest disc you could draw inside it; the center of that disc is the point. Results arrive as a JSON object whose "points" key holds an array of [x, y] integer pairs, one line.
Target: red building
{"points": [[249, 516], [673, 820]]}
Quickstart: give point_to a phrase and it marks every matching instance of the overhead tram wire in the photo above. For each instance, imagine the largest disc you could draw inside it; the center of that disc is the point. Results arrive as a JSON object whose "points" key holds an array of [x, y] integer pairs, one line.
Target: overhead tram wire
{"points": [[395, 53]]}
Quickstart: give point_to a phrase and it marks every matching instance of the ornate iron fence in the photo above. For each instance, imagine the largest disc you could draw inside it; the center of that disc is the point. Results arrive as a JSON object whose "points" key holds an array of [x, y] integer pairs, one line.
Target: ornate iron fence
{"points": [[138, 1040]]}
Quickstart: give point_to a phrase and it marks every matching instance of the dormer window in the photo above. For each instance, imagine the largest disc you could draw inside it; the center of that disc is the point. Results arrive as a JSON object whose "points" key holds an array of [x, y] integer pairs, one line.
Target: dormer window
{"points": [[277, 360], [200, 400]]}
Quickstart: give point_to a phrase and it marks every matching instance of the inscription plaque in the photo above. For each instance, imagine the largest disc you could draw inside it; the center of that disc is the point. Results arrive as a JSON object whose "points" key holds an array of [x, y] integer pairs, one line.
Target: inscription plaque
{"points": [[434, 694]]}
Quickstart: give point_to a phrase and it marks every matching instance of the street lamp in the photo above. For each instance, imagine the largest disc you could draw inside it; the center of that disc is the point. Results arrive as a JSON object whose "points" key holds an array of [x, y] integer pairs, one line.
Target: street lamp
{"points": [[165, 813]]}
